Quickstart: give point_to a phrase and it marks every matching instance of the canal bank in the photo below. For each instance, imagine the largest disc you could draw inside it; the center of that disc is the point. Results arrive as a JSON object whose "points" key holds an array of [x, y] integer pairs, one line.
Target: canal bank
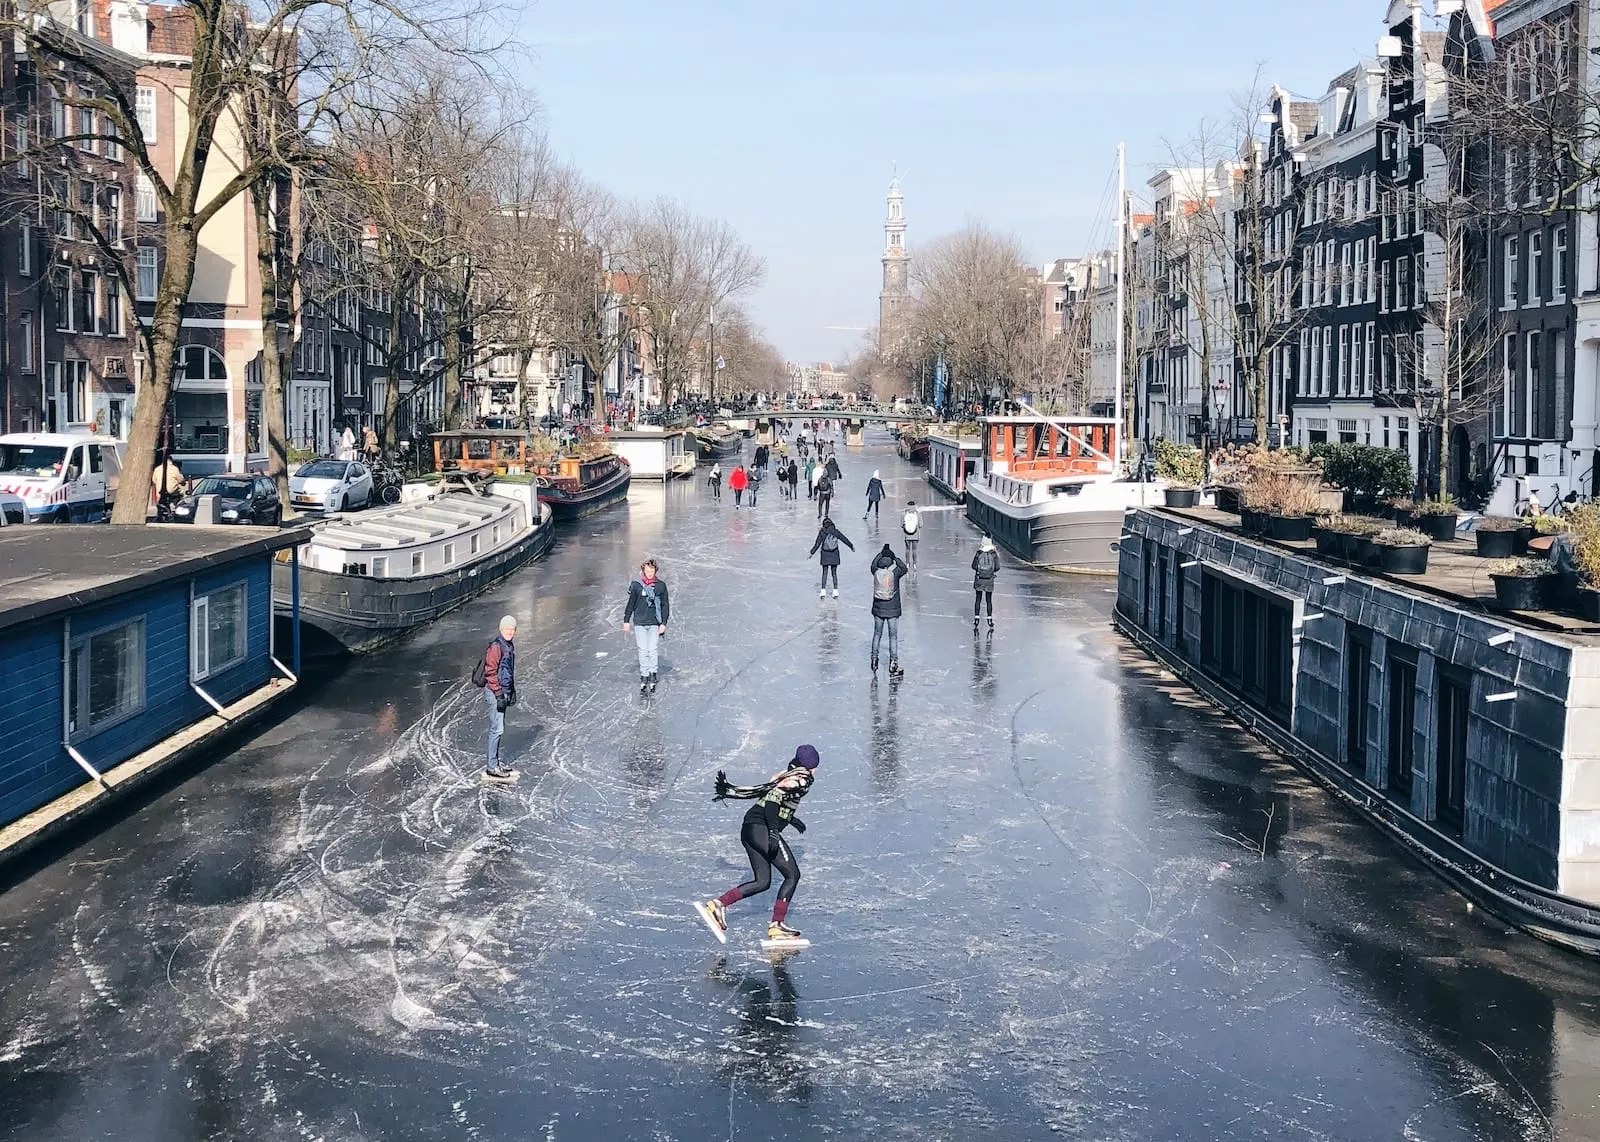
{"points": [[1050, 893]]}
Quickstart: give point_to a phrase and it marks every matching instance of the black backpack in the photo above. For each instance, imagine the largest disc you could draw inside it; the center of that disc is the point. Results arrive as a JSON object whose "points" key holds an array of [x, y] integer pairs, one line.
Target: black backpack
{"points": [[480, 672]]}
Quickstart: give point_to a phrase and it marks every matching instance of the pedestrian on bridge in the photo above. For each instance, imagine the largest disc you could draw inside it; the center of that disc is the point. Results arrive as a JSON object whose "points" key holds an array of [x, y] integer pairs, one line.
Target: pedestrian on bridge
{"points": [[829, 537], [874, 496]]}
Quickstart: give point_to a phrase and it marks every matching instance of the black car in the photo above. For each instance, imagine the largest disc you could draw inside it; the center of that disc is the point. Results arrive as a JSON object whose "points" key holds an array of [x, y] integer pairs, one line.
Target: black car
{"points": [[240, 499]]}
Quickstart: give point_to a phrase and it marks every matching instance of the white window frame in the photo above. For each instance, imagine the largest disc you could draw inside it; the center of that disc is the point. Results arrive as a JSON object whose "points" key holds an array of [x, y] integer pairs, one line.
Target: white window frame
{"points": [[202, 660], [145, 113], [25, 248], [1558, 264], [418, 564], [449, 555], [26, 343], [380, 566], [77, 721], [140, 263]]}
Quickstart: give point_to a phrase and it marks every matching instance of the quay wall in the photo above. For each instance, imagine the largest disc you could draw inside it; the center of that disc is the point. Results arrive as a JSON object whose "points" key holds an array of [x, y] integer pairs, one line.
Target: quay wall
{"points": [[1484, 755]]}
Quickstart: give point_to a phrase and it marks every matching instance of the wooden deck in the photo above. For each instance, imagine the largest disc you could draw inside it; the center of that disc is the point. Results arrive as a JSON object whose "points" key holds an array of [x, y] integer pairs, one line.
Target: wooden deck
{"points": [[1456, 572]]}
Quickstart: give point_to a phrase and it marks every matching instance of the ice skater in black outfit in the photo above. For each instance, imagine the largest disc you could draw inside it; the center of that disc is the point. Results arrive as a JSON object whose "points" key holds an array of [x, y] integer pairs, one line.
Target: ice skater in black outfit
{"points": [[829, 537], [761, 834]]}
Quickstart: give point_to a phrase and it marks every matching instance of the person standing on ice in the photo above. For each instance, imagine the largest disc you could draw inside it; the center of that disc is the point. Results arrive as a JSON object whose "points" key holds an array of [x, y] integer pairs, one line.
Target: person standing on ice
{"points": [[737, 479], [829, 537], [498, 671], [648, 603], [714, 479], [911, 528], [824, 493], [887, 571], [985, 566], [761, 834], [874, 495]]}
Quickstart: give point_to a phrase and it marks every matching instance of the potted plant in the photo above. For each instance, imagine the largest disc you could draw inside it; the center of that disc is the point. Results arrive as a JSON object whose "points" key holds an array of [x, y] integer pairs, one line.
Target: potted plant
{"points": [[1253, 507], [1359, 533], [1339, 535], [1402, 551], [1401, 511], [1183, 469], [1329, 541], [1501, 537], [1437, 518], [1584, 525], [1521, 584]]}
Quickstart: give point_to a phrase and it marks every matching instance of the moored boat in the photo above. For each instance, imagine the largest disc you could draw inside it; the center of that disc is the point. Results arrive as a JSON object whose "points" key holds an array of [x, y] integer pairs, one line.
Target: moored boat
{"points": [[912, 444], [1049, 490], [574, 486], [718, 441], [654, 454], [369, 578], [952, 459]]}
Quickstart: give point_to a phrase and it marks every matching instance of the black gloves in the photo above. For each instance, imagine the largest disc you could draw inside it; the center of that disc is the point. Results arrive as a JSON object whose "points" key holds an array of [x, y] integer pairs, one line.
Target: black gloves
{"points": [[511, 696], [722, 786], [798, 823], [501, 701]]}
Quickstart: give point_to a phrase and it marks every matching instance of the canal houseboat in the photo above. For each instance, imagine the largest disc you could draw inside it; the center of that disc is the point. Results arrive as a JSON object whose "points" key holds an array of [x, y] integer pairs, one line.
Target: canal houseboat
{"points": [[575, 486], [654, 454], [952, 459], [132, 649], [718, 441], [1049, 491], [367, 579], [912, 444]]}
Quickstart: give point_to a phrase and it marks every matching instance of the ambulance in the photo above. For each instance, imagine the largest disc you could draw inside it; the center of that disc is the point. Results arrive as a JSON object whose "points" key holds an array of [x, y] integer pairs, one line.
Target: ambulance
{"points": [[61, 477]]}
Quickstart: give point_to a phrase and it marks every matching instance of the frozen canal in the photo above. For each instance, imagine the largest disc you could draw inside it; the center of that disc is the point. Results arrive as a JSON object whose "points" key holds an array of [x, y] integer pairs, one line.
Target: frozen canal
{"points": [[1049, 894]]}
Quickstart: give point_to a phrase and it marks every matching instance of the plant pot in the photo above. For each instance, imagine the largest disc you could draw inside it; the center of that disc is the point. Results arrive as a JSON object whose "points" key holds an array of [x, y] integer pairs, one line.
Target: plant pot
{"points": [[1499, 544], [1363, 550], [1403, 517], [1402, 560], [1437, 526], [1182, 497], [1329, 543], [1251, 522], [1589, 604], [1289, 528], [1523, 534], [1519, 592], [1227, 500]]}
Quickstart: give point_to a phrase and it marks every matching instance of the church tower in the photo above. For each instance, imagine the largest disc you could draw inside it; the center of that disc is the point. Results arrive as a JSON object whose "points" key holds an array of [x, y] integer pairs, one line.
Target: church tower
{"points": [[894, 302]]}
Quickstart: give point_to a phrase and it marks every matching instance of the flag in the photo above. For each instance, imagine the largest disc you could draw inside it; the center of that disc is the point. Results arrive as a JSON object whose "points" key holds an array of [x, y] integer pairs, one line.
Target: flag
{"points": [[938, 383]]}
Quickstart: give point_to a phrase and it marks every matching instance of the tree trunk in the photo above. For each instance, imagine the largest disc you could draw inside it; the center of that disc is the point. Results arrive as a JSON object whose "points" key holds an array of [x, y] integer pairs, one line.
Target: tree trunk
{"points": [[150, 405], [273, 358], [391, 392], [451, 413]]}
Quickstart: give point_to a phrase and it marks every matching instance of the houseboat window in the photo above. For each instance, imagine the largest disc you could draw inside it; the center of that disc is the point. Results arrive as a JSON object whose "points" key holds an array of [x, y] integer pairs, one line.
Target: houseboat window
{"points": [[1451, 757], [475, 540], [1069, 489], [1357, 695], [416, 563], [380, 566], [217, 631], [1402, 718], [449, 554], [105, 679], [496, 533], [1246, 640]]}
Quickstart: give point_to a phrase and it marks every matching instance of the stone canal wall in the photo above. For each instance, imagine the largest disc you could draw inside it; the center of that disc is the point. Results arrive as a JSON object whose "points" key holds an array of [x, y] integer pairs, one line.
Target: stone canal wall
{"points": [[1475, 740]]}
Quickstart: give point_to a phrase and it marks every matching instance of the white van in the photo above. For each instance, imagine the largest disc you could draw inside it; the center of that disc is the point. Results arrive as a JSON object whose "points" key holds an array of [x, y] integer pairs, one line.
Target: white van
{"points": [[62, 477]]}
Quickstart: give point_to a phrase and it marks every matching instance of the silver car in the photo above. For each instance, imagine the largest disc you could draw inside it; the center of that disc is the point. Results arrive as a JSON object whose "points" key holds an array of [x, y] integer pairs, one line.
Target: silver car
{"points": [[330, 486]]}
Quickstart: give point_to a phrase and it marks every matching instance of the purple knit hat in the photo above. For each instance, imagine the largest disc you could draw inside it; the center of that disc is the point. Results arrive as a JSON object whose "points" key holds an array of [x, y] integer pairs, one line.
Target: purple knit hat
{"points": [[806, 756]]}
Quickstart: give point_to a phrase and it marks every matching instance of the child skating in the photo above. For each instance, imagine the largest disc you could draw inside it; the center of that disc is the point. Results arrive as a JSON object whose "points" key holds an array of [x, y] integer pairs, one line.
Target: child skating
{"points": [[761, 835]]}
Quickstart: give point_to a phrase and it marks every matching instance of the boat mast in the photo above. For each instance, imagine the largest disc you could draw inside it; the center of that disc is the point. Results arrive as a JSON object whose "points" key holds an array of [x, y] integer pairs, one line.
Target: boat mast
{"points": [[1122, 207]]}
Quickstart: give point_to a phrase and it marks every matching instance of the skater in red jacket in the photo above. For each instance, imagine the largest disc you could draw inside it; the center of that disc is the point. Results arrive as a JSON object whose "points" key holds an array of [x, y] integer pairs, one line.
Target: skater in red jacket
{"points": [[738, 480]]}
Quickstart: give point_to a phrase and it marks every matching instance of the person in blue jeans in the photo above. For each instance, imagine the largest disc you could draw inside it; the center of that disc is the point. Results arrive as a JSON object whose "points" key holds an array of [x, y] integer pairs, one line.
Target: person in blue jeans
{"points": [[887, 571], [499, 691], [646, 616]]}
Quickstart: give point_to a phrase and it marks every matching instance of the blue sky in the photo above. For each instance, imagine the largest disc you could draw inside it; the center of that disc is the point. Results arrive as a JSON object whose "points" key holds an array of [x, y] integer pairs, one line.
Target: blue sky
{"points": [[784, 118]]}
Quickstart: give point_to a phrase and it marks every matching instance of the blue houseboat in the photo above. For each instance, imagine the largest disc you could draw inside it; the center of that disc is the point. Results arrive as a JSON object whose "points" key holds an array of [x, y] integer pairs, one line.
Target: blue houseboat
{"points": [[124, 650]]}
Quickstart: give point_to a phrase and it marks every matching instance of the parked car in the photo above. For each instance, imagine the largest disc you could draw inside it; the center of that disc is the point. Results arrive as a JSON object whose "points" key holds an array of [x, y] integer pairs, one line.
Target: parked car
{"points": [[12, 509], [241, 498], [62, 477], [331, 485]]}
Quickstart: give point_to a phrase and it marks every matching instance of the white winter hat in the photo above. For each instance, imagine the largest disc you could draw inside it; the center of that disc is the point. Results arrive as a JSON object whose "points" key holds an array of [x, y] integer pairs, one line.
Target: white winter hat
{"points": [[986, 544], [508, 621], [875, 474]]}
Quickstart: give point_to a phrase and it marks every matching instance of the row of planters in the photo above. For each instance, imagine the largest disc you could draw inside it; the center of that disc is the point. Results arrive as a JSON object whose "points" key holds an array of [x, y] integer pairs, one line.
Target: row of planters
{"points": [[1376, 543], [1564, 574]]}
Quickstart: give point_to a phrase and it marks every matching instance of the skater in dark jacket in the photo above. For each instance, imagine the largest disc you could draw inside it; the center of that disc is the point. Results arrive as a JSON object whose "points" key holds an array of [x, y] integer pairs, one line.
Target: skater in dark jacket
{"points": [[833, 469], [761, 834], [874, 495], [649, 605], [985, 566], [828, 540], [887, 571], [824, 493]]}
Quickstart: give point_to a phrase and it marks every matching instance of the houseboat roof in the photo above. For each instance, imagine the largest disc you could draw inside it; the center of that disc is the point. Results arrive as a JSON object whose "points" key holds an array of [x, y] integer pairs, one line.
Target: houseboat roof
{"points": [[481, 434], [50, 570], [975, 442], [1043, 419], [647, 433], [405, 524]]}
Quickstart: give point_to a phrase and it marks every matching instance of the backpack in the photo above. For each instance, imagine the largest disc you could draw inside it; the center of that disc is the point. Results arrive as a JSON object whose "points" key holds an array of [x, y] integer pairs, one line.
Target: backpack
{"points": [[830, 542], [825, 485], [883, 583], [910, 522], [480, 672]]}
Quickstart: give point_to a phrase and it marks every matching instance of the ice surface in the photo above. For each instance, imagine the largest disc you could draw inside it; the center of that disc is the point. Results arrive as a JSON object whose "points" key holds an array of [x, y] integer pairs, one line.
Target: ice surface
{"points": [[1052, 895]]}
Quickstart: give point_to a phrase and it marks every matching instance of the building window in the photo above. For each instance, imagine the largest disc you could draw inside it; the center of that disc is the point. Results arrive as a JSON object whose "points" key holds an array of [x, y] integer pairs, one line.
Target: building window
{"points": [[23, 143], [1508, 272], [105, 679], [146, 207], [113, 314], [86, 119], [77, 374], [1558, 265], [25, 343], [380, 566], [25, 248], [1532, 399], [476, 540], [1402, 285], [145, 273], [1357, 697], [1535, 264], [1342, 362], [111, 226], [217, 627], [61, 295], [145, 111], [88, 301]]}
